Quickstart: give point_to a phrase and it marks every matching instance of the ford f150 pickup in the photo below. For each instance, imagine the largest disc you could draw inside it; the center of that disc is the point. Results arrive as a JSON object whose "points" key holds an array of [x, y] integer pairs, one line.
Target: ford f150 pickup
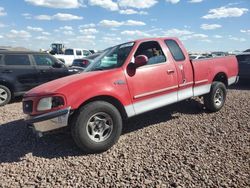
{"points": [[126, 80]]}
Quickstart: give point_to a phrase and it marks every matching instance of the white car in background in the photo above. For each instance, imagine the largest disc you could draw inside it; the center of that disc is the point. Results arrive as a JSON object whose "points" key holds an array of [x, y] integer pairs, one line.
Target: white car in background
{"points": [[72, 53], [192, 57]]}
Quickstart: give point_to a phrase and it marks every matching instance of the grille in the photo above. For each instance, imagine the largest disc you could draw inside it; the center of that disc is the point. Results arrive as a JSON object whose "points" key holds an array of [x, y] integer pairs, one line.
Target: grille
{"points": [[27, 106]]}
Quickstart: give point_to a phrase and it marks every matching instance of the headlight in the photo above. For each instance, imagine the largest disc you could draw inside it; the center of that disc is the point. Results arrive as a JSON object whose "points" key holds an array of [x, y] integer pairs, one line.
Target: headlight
{"points": [[49, 103]]}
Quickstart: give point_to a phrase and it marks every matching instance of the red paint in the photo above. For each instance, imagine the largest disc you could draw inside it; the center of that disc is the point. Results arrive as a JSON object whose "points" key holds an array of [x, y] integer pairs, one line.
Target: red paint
{"points": [[77, 89]]}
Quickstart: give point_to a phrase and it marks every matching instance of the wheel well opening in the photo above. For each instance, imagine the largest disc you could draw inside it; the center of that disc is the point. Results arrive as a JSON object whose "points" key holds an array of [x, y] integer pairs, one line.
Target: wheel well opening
{"points": [[221, 77], [9, 86], [110, 100]]}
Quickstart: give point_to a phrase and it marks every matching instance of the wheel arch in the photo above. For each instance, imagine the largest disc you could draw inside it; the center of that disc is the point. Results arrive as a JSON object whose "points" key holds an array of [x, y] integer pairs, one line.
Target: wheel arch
{"points": [[112, 100], [221, 77], [8, 85]]}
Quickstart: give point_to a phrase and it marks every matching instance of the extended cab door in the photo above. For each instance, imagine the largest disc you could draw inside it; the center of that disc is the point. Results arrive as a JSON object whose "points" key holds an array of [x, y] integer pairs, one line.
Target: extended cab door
{"points": [[49, 68], [155, 84], [183, 67], [19, 71]]}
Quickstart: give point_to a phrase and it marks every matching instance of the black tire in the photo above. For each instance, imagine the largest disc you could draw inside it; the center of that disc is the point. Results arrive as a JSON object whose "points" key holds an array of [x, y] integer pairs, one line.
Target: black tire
{"points": [[5, 95], [81, 131], [216, 98]]}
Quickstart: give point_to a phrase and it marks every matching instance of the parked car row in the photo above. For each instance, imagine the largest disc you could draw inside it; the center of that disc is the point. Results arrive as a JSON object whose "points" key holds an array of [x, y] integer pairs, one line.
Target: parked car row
{"points": [[85, 62], [21, 71], [71, 54]]}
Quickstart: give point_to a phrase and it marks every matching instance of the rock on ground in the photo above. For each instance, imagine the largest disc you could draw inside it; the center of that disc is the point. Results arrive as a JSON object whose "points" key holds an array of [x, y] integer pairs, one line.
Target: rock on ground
{"points": [[181, 145]]}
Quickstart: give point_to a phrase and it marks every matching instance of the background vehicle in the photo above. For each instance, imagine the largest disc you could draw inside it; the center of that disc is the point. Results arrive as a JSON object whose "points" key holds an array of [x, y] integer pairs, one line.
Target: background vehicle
{"points": [[21, 71], [244, 65], [219, 54], [72, 53], [57, 48], [124, 81], [93, 51], [84, 62], [197, 57]]}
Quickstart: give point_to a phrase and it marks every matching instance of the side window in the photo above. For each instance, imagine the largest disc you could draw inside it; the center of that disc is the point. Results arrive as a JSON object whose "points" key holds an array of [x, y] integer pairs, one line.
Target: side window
{"points": [[17, 60], [44, 60], [175, 50], [78, 52], [69, 52], [153, 51], [86, 53]]}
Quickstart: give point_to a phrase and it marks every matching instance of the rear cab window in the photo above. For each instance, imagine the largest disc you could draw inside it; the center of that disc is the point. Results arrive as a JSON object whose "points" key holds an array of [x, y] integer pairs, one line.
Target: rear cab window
{"points": [[175, 50], [17, 60]]}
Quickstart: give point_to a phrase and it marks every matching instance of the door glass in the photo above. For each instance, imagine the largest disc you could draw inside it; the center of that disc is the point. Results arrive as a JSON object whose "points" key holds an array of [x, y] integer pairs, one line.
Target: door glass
{"points": [[153, 51], [17, 60], [44, 60], [78, 52], [69, 52]]}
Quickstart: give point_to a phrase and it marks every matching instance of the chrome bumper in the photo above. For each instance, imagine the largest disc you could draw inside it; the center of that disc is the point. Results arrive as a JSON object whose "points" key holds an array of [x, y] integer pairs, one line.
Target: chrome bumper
{"points": [[49, 121]]}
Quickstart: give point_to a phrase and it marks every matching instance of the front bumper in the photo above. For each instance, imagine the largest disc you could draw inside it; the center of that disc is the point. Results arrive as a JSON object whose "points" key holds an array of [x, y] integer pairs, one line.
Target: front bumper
{"points": [[49, 121]]}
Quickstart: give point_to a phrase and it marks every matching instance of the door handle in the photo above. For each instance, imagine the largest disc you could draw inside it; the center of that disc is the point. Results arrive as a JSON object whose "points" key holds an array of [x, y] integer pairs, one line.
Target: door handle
{"points": [[7, 71], [170, 71]]}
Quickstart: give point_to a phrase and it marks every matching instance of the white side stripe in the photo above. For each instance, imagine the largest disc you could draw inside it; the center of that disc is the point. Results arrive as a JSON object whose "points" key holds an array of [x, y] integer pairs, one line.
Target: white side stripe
{"points": [[232, 80], [130, 110], [163, 100], [186, 84], [185, 93], [201, 90]]}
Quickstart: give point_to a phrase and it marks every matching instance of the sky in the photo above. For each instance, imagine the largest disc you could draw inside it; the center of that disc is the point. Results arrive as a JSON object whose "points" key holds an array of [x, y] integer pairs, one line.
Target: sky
{"points": [[202, 25]]}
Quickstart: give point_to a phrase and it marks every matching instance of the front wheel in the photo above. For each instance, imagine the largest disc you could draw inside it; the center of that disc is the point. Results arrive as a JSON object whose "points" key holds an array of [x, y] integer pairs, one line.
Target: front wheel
{"points": [[216, 98], [96, 127], [5, 95]]}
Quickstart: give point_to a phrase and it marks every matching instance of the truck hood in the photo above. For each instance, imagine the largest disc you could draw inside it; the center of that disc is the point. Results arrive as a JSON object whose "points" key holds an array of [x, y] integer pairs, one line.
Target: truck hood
{"points": [[58, 85]]}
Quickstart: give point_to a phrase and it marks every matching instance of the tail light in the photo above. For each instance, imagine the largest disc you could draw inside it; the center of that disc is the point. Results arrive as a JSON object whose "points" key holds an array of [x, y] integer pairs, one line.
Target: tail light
{"points": [[85, 62]]}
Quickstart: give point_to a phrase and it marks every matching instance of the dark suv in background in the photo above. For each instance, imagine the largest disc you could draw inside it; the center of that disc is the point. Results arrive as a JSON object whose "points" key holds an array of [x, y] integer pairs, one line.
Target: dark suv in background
{"points": [[21, 71], [244, 65]]}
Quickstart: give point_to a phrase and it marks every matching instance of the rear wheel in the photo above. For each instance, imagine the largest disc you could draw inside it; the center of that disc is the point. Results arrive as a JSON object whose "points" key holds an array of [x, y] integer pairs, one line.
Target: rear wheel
{"points": [[5, 95], [215, 100], [96, 127]]}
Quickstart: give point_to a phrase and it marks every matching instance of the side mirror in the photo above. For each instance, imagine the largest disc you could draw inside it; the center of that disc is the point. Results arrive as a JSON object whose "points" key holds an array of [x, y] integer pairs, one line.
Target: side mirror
{"points": [[140, 60]]}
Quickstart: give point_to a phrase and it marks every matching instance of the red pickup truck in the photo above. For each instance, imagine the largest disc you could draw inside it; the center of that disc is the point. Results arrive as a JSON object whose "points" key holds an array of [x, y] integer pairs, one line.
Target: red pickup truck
{"points": [[124, 81]]}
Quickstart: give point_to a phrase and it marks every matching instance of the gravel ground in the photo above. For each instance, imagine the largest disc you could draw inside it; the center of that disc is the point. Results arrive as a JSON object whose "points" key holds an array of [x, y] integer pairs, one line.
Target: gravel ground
{"points": [[177, 146]]}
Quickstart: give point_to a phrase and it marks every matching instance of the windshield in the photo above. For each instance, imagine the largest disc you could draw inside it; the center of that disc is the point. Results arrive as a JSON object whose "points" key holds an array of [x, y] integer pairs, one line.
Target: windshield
{"points": [[111, 58]]}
